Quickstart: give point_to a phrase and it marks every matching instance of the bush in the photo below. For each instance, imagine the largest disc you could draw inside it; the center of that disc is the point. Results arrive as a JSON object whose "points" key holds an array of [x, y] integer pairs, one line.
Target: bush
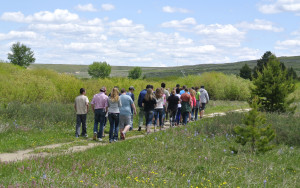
{"points": [[99, 70], [135, 73]]}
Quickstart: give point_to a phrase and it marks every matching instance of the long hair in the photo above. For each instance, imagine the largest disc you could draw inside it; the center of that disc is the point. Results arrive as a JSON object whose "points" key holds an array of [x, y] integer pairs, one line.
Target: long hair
{"points": [[192, 92], [149, 95], [114, 96], [158, 93]]}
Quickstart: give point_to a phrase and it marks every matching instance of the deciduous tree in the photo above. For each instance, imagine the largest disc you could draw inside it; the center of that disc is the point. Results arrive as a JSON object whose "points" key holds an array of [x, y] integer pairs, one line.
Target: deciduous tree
{"points": [[21, 55]]}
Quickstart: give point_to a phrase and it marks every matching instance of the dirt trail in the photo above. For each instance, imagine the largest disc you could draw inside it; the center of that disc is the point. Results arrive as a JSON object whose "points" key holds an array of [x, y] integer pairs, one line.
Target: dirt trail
{"points": [[27, 154]]}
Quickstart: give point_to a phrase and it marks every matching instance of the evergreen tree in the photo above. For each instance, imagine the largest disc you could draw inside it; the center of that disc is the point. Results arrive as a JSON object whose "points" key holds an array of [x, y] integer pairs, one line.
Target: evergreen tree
{"points": [[261, 63], [272, 87], [255, 130], [291, 73], [245, 72]]}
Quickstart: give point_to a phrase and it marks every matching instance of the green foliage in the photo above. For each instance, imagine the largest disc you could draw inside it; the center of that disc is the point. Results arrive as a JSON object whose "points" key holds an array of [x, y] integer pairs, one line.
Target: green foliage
{"points": [[255, 131], [99, 70], [245, 72], [135, 73], [21, 55], [273, 87], [43, 85], [292, 74]]}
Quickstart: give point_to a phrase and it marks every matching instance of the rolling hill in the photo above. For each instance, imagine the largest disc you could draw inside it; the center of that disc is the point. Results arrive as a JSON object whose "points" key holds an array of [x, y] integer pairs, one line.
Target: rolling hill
{"points": [[122, 71]]}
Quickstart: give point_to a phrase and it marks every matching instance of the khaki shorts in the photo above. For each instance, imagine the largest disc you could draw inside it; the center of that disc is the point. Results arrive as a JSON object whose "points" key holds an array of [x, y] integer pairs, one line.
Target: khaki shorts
{"points": [[123, 121]]}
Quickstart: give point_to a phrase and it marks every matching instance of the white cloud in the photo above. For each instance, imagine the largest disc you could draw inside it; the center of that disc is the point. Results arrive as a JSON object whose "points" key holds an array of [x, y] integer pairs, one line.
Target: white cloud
{"points": [[280, 6], [259, 24], [18, 35], [169, 9], [107, 7], [80, 41], [13, 16], [87, 7], [141, 59], [179, 23], [58, 15]]}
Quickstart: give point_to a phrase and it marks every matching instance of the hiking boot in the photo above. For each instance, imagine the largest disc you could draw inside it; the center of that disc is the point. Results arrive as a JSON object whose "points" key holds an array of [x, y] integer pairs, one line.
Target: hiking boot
{"points": [[95, 136], [140, 128]]}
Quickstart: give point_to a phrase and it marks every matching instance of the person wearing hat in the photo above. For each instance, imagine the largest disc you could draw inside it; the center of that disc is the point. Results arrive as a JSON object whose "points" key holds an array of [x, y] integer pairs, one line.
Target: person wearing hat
{"points": [[130, 93], [99, 106]]}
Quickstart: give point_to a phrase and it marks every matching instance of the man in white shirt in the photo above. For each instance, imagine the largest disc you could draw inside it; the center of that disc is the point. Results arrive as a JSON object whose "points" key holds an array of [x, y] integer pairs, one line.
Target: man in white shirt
{"points": [[81, 107]]}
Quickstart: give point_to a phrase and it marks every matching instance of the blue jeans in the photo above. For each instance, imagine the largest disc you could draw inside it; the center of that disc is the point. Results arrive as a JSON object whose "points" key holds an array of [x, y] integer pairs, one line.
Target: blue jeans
{"points": [[185, 117], [178, 115], [99, 118], [149, 117], [196, 113], [172, 116], [80, 119], [114, 125], [159, 112]]}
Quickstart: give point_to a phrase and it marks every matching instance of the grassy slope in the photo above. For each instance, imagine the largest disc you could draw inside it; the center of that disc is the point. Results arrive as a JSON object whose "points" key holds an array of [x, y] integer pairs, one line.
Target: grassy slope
{"points": [[228, 68], [174, 158]]}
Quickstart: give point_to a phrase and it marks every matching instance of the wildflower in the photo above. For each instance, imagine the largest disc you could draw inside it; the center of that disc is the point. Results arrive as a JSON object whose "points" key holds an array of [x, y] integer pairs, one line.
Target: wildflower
{"points": [[291, 148], [224, 150], [204, 139], [224, 183], [205, 158], [81, 181], [232, 152]]}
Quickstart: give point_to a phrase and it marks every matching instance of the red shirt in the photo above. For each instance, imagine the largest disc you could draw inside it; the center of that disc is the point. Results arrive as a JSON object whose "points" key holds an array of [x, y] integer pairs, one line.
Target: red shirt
{"points": [[185, 97]]}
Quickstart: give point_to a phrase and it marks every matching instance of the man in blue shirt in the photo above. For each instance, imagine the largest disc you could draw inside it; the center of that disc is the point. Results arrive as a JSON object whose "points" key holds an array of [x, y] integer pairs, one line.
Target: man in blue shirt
{"points": [[125, 113]]}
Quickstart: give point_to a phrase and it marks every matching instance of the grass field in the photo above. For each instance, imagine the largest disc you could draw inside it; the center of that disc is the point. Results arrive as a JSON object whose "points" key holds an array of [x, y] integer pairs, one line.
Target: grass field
{"points": [[24, 126], [227, 68], [194, 156]]}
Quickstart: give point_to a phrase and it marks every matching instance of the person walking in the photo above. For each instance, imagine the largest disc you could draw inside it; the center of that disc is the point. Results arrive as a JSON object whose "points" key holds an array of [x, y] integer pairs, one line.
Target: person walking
{"points": [[99, 106], [197, 102], [167, 95], [81, 108], [204, 98], [178, 114], [158, 110], [149, 103], [114, 103], [141, 108], [173, 102], [193, 104], [125, 113], [130, 93], [185, 106]]}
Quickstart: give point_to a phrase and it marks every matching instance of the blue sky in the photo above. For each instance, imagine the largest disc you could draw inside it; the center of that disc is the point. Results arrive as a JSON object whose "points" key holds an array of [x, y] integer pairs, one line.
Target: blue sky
{"points": [[150, 33]]}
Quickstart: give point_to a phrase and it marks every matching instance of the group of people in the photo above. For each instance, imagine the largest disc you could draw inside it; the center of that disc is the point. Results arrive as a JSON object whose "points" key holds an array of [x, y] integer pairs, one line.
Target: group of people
{"points": [[180, 105]]}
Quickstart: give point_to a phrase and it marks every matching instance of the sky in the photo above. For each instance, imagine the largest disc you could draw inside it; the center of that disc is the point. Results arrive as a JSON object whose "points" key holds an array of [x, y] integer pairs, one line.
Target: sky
{"points": [[148, 33]]}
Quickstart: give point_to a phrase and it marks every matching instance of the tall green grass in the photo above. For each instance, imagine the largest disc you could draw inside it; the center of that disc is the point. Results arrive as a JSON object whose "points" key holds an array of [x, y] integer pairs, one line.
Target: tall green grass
{"points": [[40, 85]]}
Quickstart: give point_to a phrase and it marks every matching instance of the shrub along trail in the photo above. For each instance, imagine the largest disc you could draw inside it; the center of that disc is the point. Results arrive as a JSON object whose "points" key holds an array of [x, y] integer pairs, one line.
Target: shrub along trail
{"points": [[62, 148]]}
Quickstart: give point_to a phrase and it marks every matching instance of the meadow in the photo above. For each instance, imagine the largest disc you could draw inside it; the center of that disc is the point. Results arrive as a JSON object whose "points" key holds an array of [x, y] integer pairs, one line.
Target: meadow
{"points": [[197, 155], [37, 109]]}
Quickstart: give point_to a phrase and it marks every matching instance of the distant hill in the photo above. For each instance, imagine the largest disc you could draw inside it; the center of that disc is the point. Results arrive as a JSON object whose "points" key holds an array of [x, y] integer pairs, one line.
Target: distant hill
{"points": [[122, 71]]}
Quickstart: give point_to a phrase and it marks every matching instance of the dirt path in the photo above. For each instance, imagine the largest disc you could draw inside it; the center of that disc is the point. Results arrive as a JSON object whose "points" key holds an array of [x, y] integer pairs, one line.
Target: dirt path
{"points": [[29, 153]]}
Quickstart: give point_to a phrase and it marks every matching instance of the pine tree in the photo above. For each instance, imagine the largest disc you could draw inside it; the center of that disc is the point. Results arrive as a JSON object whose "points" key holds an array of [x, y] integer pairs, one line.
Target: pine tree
{"points": [[272, 87], [255, 130], [245, 72]]}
